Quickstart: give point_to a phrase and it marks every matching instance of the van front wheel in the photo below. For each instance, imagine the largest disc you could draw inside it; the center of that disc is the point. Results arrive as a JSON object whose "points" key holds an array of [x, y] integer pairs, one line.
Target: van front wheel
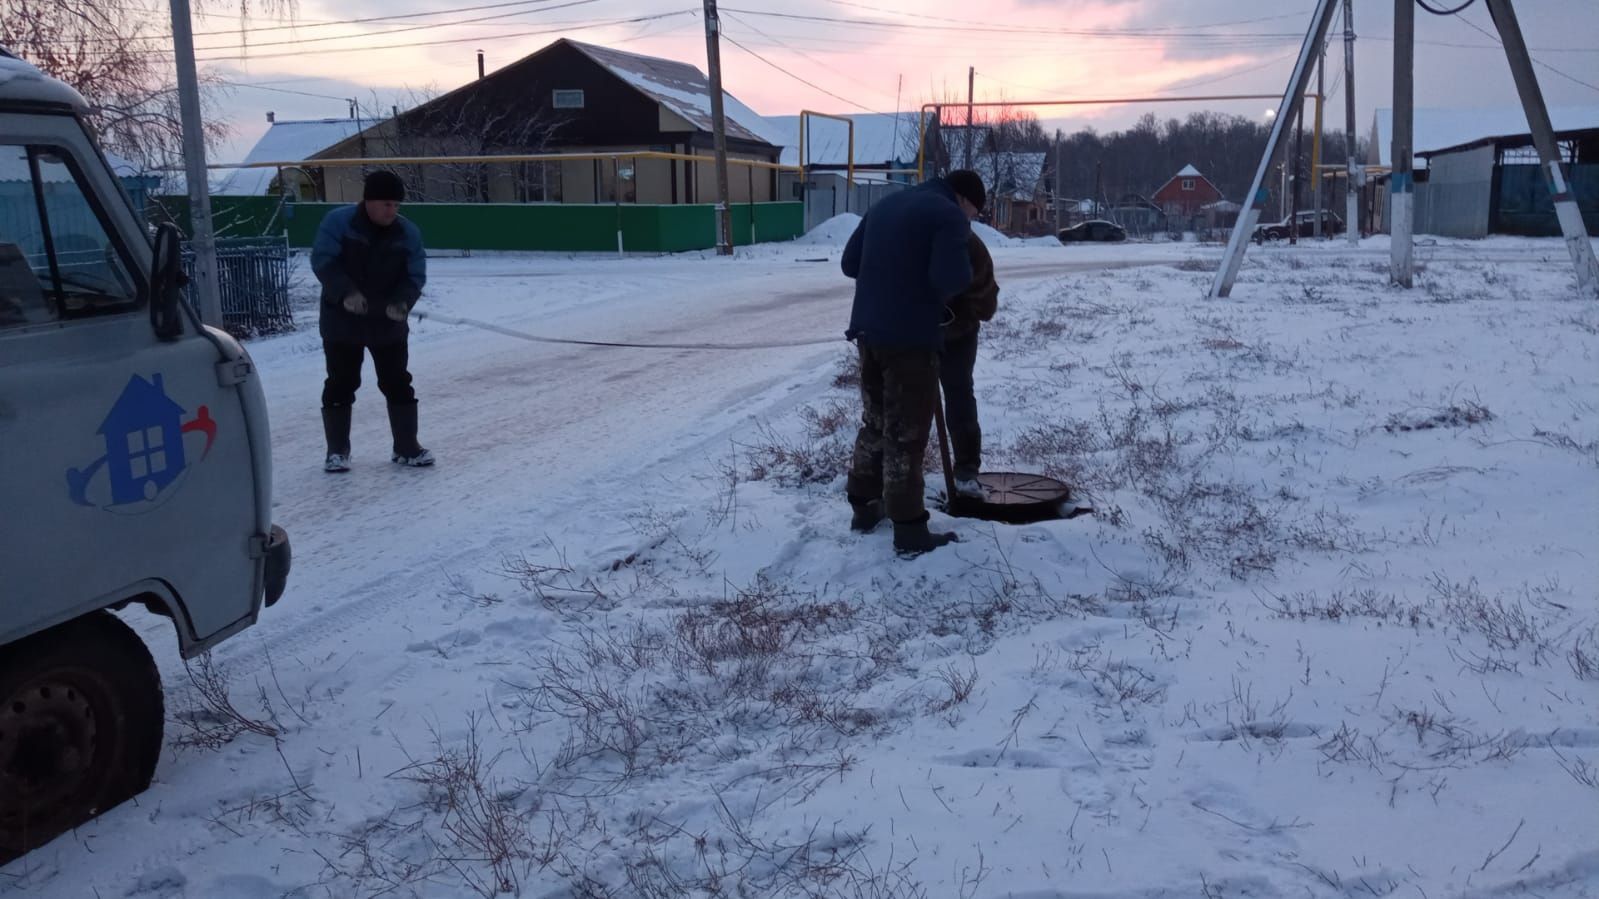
{"points": [[80, 728]]}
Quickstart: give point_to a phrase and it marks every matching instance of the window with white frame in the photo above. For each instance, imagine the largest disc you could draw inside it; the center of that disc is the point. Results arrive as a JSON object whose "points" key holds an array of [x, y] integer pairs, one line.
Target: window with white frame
{"points": [[1188, 184], [567, 99]]}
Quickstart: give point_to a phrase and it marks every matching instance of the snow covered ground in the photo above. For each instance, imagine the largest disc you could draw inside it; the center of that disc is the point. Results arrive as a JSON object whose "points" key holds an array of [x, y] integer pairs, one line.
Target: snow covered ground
{"points": [[1333, 630]]}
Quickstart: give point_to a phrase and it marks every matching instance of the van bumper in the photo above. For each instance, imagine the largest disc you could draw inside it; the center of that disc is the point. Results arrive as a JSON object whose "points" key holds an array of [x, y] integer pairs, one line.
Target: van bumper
{"points": [[277, 564]]}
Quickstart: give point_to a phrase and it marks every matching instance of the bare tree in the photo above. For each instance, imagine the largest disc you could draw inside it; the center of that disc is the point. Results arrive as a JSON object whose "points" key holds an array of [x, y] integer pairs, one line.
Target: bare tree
{"points": [[114, 58], [465, 124]]}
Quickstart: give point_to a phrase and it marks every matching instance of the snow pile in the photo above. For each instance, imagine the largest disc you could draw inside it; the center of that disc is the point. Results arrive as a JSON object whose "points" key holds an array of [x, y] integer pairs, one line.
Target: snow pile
{"points": [[835, 232], [993, 239]]}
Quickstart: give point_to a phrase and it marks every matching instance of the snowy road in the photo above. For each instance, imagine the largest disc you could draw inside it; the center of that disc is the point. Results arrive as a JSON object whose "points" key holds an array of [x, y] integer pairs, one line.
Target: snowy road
{"points": [[526, 432]]}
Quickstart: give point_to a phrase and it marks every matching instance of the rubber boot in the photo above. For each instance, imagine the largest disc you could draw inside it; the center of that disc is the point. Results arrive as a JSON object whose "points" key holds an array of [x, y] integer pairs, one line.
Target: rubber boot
{"points": [[407, 451], [336, 427], [912, 538], [868, 514]]}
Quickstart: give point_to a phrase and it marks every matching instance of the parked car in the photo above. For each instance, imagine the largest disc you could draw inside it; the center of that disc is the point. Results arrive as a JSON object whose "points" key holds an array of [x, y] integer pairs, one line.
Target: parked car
{"points": [[1330, 224], [1097, 229], [138, 472]]}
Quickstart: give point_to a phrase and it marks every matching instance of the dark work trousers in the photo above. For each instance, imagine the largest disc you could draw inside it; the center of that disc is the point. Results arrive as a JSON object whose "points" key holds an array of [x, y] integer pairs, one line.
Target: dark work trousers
{"points": [[955, 365], [344, 372], [899, 393]]}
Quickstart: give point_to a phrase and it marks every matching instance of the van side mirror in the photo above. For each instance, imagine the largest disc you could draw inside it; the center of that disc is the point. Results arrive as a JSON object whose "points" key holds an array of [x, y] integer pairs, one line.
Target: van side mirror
{"points": [[166, 283]]}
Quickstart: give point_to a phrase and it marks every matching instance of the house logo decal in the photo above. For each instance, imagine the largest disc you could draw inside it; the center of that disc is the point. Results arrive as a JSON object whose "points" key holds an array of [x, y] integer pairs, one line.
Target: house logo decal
{"points": [[147, 448]]}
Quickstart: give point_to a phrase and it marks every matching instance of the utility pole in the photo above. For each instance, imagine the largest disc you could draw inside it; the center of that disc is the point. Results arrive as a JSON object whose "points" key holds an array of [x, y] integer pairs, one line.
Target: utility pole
{"points": [[1058, 173], [1315, 151], [204, 237], [1293, 96], [1401, 185], [1354, 176], [1295, 172], [971, 85], [1099, 180], [1543, 136], [713, 55]]}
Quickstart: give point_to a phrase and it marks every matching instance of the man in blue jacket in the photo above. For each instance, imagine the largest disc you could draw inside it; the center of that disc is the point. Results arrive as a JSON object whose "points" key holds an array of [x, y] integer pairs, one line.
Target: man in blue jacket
{"points": [[370, 261], [909, 258]]}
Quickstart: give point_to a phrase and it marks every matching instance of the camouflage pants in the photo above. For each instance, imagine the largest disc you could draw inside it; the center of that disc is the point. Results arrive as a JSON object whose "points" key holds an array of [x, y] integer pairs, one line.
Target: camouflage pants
{"points": [[899, 391]]}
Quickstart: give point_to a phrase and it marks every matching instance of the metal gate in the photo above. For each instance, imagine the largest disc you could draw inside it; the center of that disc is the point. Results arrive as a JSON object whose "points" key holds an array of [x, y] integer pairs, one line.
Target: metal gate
{"points": [[253, 277]]}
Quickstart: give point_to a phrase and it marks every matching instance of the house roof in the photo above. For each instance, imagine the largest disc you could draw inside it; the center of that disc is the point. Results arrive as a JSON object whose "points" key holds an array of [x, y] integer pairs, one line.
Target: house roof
{"points": [[881, 138], [1441, 128], [682, 89], [1187, 171], [285, 142]]}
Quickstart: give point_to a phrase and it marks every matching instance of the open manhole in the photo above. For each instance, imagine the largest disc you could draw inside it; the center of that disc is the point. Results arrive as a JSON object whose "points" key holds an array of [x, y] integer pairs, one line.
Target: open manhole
{"points": [[1017, 498]]}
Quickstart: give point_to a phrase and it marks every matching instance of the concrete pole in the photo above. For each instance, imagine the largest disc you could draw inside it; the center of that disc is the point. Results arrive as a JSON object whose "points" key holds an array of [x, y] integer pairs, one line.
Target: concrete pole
{"points": [[1315, 152], [1354, 177], [1293, 96], [1295, 173], [713, 53], [1543, 136], [204, 237], [1401, 185], [971, 87]]}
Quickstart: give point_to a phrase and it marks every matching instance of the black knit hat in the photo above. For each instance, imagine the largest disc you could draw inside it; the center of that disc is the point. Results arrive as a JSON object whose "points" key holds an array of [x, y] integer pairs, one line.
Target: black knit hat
{"points": [[384, 185], [967, 183]]}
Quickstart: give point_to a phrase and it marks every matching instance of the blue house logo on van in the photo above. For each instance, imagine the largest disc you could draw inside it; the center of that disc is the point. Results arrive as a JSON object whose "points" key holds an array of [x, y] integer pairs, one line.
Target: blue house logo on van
{"points": [[147, 444]]}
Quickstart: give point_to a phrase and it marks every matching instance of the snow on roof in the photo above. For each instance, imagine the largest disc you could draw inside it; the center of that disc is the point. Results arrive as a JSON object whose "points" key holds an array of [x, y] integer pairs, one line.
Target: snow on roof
{"points": [[683, 89], [21, 81], [289, 141], [1188, 171], [1436, 129], [881, 139]]}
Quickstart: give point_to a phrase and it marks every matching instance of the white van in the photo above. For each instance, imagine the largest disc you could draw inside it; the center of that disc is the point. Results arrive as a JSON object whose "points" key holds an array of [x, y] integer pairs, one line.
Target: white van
{"points": [[135, 469]]}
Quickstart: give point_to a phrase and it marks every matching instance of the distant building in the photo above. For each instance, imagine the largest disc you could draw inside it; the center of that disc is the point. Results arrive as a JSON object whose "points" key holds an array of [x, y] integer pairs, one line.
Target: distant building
{"points": [[288, 141], [1471, 146], [1186, 194], [1496, 185], [576, 98]]}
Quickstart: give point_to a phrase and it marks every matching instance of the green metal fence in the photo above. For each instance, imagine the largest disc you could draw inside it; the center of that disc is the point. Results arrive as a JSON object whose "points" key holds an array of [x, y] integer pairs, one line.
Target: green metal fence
{"points": [[562, 227]]}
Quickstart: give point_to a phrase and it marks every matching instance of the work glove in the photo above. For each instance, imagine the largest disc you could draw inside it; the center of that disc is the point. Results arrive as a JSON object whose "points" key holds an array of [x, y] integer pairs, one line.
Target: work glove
{"points": [[355, 303], [397, 312]]}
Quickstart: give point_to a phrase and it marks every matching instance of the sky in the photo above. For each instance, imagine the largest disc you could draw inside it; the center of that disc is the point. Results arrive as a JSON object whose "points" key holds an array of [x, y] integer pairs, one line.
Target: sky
{"points": [[780, 56]]}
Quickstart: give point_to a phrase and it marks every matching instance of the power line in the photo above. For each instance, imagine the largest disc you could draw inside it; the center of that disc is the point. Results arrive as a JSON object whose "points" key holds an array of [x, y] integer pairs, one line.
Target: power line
{"points": [[422, 27], [561, 26], [803, 81], [1155, 30], [282, 90], [997, 29], [1536, 61], [324, 23], [802, 53], [1444, 12]]}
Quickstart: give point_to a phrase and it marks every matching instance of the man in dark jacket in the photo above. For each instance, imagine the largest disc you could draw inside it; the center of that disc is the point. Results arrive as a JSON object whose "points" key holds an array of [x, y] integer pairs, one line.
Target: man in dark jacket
{"points": [[370, 262], [967, 312], [909, 258]]}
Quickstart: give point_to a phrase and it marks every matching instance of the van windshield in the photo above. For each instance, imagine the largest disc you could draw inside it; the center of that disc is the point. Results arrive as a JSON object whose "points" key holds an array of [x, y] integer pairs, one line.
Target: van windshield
{"points": [[57, 258]]}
